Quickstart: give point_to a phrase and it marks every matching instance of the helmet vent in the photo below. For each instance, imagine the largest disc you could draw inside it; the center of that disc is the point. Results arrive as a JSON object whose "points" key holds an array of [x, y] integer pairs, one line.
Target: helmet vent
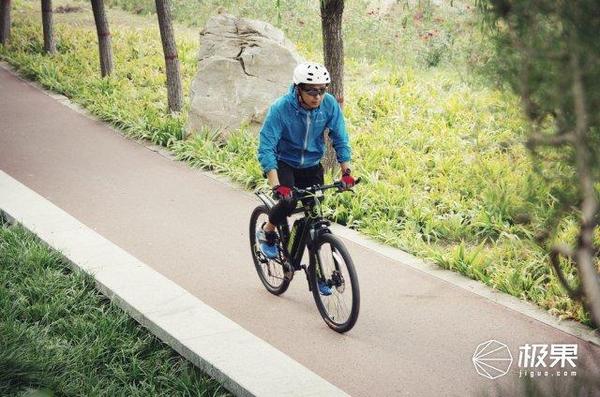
{"points": [[312, 73]]}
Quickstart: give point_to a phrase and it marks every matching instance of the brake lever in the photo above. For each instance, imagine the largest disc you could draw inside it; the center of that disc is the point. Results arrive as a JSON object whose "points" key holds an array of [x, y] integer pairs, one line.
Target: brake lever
{"points": [[356, 182]]}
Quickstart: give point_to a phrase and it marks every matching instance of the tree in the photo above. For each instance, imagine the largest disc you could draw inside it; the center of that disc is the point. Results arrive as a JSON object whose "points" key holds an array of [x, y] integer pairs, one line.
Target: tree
{"points": [[549, 53], [174, 91], [49, 43], [4, 21], [333, 52], [104, 41]]}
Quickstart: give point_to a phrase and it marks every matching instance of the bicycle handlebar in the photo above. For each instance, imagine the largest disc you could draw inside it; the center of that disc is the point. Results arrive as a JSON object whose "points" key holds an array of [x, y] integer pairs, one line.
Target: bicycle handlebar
{"points": [[301, 193]]}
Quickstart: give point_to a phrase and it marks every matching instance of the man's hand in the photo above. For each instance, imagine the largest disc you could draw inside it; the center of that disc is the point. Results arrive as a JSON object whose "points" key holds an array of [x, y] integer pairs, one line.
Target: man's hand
{"points": [[347, 180], [282, 192]]}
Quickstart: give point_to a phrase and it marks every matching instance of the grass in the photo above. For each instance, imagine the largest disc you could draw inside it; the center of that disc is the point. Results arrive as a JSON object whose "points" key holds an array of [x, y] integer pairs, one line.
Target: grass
{"points": [[59, 335], [439, 145]]}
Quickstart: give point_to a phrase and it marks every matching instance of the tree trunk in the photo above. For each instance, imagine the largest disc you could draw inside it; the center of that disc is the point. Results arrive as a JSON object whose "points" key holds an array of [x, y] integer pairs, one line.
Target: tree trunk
{"points": [[174, 91], [104, 41], [333, 50], [49, 43], [4, 21], [586, 251]]}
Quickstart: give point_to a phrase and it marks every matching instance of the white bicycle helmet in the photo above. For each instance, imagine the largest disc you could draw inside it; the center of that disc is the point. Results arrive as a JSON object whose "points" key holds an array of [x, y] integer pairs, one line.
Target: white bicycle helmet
{"points": [[311, 73]]}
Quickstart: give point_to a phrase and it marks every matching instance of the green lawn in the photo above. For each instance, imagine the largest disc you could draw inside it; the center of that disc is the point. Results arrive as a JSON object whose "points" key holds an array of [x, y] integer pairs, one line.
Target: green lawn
{"points": [[437, 141], [59, 335]]}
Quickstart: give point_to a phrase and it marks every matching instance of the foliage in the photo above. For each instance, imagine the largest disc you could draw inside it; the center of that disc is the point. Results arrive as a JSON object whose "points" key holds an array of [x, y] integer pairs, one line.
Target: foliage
{"points": [[59, 334], [439, 148], [129, 98], [536, 46], [549, 53]]}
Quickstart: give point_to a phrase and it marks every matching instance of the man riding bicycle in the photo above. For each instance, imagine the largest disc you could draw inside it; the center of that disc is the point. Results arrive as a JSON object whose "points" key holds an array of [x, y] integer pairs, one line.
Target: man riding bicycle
{"points": [[292, 143]]}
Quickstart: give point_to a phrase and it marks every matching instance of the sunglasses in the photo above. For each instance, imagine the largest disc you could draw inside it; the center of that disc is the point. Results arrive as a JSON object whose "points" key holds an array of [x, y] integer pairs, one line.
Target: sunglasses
{"points": [[315, 91]]}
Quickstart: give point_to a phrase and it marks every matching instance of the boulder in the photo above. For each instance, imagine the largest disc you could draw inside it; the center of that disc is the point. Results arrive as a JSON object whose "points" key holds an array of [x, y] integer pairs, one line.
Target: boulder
{"points": [[244, 65]]}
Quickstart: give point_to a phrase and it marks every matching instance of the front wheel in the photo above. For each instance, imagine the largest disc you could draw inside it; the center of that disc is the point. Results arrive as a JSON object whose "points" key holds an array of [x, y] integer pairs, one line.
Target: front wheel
{"points": [[332, 267], [270, 271]]}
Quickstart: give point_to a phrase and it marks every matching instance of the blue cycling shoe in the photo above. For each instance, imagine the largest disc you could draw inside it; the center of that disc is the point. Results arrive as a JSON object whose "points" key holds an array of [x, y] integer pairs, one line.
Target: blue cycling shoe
{"points": [[267, 243], [324, 289]]}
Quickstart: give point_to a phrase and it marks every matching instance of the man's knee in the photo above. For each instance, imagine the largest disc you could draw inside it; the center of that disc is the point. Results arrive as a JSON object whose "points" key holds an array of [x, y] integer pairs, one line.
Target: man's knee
{"points": [[281, 211]]}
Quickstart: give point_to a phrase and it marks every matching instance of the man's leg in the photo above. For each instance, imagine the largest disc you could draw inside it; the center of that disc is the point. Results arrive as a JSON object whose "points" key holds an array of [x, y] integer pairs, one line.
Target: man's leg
{"points": [[283, 208], [309, 177], [267, 236]]}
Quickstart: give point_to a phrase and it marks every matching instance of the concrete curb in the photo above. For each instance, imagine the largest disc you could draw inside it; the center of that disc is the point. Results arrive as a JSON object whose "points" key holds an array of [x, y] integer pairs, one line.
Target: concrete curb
{"points": [[245, 364]]}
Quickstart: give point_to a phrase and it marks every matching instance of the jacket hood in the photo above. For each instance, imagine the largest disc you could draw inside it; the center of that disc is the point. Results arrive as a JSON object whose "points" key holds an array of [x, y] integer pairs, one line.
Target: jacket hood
{"points": [[292, 98]]}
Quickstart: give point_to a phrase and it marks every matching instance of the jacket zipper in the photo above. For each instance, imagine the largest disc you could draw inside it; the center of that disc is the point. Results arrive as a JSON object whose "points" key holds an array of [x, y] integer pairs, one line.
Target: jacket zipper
{"points": [[305, 138]]}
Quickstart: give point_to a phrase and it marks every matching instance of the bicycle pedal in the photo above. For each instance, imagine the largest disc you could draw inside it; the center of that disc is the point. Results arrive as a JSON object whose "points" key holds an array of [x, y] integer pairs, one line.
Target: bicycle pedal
{"points": [[288, 275], [288, 272]]}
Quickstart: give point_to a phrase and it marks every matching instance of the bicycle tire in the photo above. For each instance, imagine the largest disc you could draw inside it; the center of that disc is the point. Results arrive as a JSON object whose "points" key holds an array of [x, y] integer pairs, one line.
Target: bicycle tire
{"points": [[272, 266], [349, 275]]}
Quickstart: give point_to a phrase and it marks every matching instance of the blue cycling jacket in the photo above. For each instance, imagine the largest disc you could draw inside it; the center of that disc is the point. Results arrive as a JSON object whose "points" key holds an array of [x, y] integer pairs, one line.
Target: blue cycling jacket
{"points": [[296, 136]]}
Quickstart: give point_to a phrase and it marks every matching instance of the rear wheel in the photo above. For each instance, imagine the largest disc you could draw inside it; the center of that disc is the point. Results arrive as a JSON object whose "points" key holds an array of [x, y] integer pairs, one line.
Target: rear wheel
{"points": [[270, 271], [332, 266]]}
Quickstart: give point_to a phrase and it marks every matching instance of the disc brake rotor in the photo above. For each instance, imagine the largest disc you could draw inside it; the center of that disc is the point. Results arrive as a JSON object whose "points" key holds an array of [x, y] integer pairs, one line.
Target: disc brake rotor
{"points": [[338, 281]]}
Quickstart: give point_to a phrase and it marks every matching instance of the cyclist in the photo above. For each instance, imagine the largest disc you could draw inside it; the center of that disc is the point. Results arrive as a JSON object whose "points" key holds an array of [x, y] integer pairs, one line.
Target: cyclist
{"points": [[292, 144]]}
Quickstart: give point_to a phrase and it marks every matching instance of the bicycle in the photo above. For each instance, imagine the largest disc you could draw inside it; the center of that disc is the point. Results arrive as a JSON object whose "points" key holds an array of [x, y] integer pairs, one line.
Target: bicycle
{"points": [[329, 260]]}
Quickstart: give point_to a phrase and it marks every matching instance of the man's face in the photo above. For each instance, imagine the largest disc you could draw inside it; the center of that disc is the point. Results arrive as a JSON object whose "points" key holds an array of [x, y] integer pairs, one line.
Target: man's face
{"points": [[312, 94]]}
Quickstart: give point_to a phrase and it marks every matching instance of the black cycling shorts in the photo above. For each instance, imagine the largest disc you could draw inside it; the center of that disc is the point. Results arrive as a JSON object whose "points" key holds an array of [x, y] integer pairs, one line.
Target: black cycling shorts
{"points": [[293, 177]]}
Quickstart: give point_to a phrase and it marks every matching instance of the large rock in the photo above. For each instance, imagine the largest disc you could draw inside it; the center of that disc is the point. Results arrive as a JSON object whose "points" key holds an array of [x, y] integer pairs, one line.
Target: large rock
{"points": [[244, 65]]}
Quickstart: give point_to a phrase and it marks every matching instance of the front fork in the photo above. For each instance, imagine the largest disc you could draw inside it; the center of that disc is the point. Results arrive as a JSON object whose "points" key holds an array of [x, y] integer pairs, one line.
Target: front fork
{"points": [[314, 259]]}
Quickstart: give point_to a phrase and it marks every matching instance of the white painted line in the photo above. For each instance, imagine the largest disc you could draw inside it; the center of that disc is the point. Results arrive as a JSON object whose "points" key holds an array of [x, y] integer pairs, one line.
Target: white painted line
{"points": [[526, 308], [245, 364]]}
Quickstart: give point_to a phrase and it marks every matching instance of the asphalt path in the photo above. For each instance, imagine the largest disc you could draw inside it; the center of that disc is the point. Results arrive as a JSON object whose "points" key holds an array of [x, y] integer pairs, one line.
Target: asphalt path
{"points": [[416, 334]]}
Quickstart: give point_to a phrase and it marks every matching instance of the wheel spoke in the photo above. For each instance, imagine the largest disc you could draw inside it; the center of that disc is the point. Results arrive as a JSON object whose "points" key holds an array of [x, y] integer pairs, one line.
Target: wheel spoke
{"points": [[340, 303], [273, 268], [337, 306], [270, 271]]}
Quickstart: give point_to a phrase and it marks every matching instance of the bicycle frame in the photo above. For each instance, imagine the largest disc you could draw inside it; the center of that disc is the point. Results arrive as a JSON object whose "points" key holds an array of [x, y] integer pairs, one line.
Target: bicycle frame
{"points": [[305, 239], [328, 273], [313, 222], [313, 227]]}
